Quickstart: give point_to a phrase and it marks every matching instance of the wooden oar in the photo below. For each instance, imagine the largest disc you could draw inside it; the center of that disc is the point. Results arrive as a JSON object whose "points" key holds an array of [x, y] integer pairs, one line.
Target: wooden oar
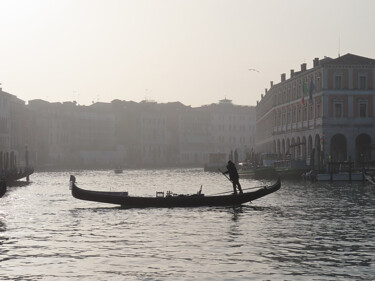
{"points": [[225, 175], [231, 181]]}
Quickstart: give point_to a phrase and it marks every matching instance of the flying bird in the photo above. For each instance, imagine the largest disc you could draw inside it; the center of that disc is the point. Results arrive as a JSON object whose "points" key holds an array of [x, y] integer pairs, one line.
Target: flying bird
{"points": [[253, 69]]}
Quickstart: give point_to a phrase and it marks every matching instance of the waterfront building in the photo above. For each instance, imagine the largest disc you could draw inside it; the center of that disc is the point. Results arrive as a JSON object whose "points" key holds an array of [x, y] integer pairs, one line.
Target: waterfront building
{"points": [[21, 128], [15, 122], [4, 130], [147, 131], [233, 129], [121, 133], [326, 111], [150, 145], [93, 136], [217, 128], [195, 136], [67, 134]]}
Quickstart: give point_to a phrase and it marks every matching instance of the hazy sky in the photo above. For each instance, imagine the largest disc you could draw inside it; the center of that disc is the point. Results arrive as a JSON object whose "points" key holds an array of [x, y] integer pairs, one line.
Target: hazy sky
{"points": [[193, 51]]}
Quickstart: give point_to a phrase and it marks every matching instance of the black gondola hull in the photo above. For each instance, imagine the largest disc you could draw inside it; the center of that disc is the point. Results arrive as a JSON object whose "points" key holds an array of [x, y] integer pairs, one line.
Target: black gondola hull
{"points": [[3, 188], [122, 199]]}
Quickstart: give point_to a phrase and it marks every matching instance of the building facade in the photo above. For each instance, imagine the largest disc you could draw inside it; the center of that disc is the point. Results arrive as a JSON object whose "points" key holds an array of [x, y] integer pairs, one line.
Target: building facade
{"points": [[217, 128], [121, 133], [5, 148], [326, 112], [15, 123], [70, 135]]}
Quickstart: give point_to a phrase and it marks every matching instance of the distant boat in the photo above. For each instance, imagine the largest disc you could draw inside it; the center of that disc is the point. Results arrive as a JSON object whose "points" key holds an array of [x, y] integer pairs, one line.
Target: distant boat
{"points": [[160, 201], [291, 169], [255, 172], [118, 171], [343, 176]]}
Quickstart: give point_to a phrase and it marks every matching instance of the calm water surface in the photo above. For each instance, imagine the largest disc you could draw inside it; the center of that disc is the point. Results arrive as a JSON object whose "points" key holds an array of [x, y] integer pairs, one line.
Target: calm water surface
{"points": [[304, 231]]}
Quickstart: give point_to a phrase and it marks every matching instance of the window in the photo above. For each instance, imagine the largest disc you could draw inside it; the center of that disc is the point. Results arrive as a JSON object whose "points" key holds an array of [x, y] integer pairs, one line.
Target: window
{"points": [[363, 109], [298, 114], [362, 82], [304, 113], [317, 86], [337, 109], [317, 114], [338, 82]]}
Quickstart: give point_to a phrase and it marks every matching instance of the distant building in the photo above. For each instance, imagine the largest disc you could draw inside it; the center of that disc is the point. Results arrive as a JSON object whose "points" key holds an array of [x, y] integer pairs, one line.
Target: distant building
{"points": [[71, 135], [15, 126], [121, 133], [328, 110], [5, 148], [148, 131], [217, 128], [195, 136]]}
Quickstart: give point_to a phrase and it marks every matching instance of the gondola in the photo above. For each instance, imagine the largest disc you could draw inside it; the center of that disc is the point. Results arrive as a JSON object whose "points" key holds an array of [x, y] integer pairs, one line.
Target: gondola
{"points": [[3, 188], [170, 200], [15, 175]]}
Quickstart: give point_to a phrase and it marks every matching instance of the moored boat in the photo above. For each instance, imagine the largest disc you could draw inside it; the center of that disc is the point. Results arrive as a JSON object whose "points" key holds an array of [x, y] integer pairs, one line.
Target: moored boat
{"points": [[118, 170], [3, 188], [257, 173], [291, 169], [343, 176], [160, 201], [15, 175]]}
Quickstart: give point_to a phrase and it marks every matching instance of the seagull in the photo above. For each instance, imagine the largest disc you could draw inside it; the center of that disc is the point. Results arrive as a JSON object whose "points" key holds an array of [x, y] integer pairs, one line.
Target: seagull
{"points": [[253, 69]]}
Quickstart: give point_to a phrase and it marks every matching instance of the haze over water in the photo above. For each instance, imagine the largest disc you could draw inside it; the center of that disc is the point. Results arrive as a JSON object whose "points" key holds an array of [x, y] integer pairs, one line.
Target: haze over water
{"points": [[304, 231]]}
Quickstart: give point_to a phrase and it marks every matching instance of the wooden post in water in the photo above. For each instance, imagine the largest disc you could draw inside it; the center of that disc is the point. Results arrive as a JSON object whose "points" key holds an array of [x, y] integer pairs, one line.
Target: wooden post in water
{"points": [[363, 171], [330, 171], [27, 162]]}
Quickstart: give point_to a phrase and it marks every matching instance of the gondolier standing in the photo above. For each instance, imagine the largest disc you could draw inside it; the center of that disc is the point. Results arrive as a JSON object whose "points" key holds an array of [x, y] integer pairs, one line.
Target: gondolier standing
{"points": [[234, 177]]}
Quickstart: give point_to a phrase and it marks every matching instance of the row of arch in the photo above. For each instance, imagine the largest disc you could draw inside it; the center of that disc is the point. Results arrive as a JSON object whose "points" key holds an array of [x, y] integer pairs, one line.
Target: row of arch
{"points": [[363, 148], [301, 148]]}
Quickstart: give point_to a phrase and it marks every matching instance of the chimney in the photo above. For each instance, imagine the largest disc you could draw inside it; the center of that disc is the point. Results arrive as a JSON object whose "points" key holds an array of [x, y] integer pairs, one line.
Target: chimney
{"points": [[271, 84], [265, 91], [261, 96], [282, 77], [303, 67], [291, 73], [316, 62]]}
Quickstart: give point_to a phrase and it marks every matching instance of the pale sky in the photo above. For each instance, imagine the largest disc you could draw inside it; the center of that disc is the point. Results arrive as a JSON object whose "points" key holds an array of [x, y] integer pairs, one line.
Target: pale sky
{"points": [[193, 51]]}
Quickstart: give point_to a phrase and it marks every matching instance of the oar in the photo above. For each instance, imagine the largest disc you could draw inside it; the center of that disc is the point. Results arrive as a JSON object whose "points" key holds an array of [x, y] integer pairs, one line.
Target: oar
{"points": [[224, 175], [231, 181]]}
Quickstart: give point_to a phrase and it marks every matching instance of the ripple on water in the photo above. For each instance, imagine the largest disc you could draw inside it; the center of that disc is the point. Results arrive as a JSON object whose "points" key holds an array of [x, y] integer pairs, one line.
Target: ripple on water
{"points": [[303, 231]]}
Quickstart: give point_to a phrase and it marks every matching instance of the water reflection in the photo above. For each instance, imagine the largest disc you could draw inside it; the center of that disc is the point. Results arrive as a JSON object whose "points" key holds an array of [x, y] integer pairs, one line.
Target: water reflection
{"points": [[2, 225], [19, 183]]}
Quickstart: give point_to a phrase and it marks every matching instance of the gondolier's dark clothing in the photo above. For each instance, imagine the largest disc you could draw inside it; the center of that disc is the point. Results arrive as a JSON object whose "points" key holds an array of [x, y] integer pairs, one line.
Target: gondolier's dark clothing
{"points": [[234, 177]]}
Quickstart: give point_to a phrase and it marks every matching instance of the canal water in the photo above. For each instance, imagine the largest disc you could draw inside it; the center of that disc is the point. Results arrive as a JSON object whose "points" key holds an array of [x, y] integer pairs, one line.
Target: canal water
{"points": [[304, 231]]}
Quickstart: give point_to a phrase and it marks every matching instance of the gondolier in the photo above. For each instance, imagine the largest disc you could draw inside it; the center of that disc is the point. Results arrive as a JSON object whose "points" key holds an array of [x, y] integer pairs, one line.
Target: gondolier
{"points": [[234, 177]]}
